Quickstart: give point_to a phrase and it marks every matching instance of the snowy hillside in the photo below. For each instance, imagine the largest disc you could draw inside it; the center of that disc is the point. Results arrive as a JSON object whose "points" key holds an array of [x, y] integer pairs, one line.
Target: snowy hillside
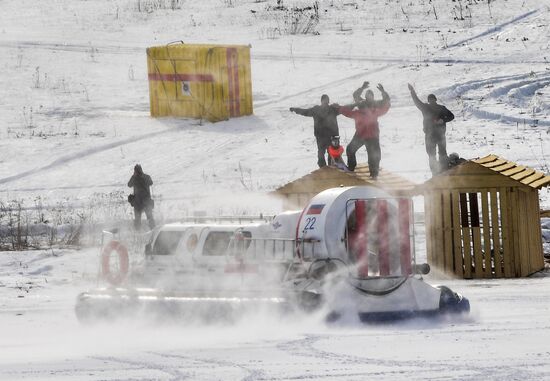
{"points": [[74, 120], [75, 95]]}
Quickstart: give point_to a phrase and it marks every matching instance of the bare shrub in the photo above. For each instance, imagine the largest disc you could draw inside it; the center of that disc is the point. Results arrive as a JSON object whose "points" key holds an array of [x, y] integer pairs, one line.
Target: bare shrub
{"points": [[14, 229], [294, 20], [270, 33], [150, 6], [62, 224]]}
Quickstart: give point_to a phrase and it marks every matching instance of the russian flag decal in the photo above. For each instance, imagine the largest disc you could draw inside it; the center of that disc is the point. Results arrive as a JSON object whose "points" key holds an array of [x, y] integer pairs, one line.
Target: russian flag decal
{"points": [[315, 209]]}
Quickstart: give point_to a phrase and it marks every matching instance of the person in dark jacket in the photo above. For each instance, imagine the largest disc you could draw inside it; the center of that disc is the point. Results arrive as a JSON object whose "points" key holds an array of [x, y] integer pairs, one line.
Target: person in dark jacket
{"points": [[436, 117], [325, 125], [141, 200], [367, 132]]}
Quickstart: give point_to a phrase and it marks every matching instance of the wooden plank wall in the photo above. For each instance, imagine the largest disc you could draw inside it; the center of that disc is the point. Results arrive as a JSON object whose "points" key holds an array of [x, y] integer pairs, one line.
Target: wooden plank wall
{"points": [[457, 235], [466, 235], [437, 214], [428, 227], [529, 239], [486, 214], [448, 245], [503, 196], [489, 233], [513, 228], [507, 245], [476, 235], [495, 234]]}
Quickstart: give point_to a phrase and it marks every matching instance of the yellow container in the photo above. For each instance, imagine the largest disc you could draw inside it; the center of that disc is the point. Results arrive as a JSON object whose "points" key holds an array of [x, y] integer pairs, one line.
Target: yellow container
{"points": [[210, 82]]}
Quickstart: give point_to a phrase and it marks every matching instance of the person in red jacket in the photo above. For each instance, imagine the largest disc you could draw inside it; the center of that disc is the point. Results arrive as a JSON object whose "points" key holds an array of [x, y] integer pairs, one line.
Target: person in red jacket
{"points": [[367, 132], [335, 151]]}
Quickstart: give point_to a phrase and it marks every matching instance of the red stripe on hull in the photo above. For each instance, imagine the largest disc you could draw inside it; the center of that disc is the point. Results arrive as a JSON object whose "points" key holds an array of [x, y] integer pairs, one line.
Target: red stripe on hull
{"points": [[360, 239], [404, 236], [383, 238]]}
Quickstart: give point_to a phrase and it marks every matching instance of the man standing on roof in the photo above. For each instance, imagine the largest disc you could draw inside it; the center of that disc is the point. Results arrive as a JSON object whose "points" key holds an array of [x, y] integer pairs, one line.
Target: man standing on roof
{"points": [[367, 132], [141, 199], [435, 121], [325, 125]]}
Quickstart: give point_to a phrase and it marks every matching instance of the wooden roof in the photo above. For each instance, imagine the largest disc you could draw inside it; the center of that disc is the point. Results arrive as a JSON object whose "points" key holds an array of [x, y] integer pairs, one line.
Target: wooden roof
{"points": [[488, 171], [524, 175], [330, 177]]}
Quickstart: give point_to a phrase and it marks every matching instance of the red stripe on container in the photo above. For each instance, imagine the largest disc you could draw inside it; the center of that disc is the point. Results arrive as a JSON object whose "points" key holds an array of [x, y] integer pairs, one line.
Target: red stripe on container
{"points": [[181, 77], [361, 239], [237, 100], [383, 239], [404, 235], [230, 81]]}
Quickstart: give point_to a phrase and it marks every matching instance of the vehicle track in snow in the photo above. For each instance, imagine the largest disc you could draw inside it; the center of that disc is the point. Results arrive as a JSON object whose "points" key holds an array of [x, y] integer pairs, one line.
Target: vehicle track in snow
{"points": [[495, 29], [501, 90], [319, 88], [306, 348], [252, 374], [418, 369], [171, 370], [87, 152]]}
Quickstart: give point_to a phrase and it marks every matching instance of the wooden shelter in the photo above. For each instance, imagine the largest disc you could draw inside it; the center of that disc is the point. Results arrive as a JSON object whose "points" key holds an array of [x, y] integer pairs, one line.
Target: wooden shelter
{"points": [[297, 193], [483, 219], [200, 81]]}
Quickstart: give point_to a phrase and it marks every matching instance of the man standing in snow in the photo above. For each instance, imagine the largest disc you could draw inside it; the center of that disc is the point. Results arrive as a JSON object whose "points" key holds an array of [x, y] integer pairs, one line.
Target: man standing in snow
{"points": [[367, 132], [435, 118], [141, 200], [325, 125]]}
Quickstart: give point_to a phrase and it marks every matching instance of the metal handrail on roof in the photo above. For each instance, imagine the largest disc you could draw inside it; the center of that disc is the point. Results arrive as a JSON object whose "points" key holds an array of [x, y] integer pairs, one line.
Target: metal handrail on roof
{"points": [[227, 219]]}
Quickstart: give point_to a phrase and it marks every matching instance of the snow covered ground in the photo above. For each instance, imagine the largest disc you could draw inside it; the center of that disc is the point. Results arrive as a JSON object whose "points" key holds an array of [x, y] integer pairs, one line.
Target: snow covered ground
{"points": [[74, 119], [505, 338]]}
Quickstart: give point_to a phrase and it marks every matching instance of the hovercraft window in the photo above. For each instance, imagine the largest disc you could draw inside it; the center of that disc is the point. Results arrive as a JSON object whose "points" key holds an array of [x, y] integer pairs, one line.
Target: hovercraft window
{"points": [[167, 242], [216, 243]]}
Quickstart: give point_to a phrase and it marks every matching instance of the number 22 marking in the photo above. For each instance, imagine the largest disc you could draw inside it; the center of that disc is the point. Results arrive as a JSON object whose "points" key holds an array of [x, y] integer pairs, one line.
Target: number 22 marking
{"points": [[310, 223]]}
